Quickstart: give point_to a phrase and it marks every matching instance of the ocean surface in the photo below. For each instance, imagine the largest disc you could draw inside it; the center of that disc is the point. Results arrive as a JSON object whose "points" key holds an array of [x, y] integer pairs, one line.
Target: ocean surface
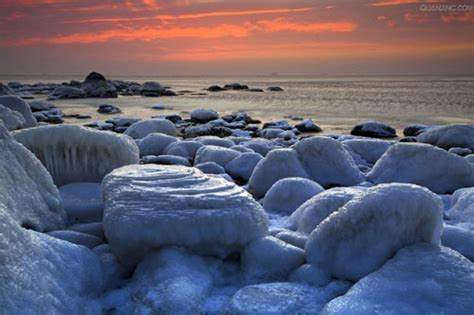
{"points": [[335, 103]]}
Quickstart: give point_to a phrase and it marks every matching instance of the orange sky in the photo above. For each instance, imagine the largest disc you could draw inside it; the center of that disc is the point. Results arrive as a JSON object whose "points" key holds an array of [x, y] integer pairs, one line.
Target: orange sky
{"points": [[236, 37]]}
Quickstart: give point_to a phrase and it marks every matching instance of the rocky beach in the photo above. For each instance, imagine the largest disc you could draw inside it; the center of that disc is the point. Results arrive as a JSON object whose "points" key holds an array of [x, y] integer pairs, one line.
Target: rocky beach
{"points": [[113, 208]]}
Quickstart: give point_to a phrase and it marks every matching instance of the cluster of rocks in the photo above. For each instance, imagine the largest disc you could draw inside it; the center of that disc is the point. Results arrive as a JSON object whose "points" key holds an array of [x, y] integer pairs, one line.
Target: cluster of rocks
{"points": [[241, 87]]}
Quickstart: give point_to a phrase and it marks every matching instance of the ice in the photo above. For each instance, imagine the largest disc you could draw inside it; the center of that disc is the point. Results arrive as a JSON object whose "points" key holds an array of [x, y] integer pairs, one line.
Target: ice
{"points": [[370, 150], [76, 154], [212, 153], [369, 229], [460, 238], [420, 279], [78, 238], [143, 128], [148, 206], [83, 202], [462, 209], [154, 144], [11, 118], [293, 238], [449, 136], [241, 167], [17, 104], [287, 194], [424, 165]]}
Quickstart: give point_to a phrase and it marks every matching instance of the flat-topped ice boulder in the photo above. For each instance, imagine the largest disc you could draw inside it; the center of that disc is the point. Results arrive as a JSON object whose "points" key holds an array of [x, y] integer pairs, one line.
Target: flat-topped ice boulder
{"points": [[425, 165], [150, 206], [373, 129], [143, 128], [287, 194], [75, 154], [449, 136], [362, 235], [12, 119], [17, 104], [420, 279]]}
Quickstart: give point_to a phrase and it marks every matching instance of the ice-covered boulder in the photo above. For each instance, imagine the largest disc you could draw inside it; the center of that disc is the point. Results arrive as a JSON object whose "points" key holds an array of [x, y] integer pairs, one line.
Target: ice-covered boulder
{"points": [[5, 90], [95, 85], [143, 128], [363, 234], [241, 167], [462, 207], [459, 237], [82, 202], [212, 153], [216, 141], [327, 163], [154, 144], [370, 150], [186, 149], [424, 165], [149, 206], [373, 129], [278, 164], [287, 194], [308, 216], [66, 92], [201, 115], [420, 279], [261, 146], [12, 119], [165, 159], [17, 104], [210, 168], [76, 154], [78, 238], [449, 136]]}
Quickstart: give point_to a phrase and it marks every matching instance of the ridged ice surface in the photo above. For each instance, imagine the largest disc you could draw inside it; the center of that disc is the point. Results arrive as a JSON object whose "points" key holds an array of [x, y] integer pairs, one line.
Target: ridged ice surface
{"points": [[149, 206], [76, 154]]}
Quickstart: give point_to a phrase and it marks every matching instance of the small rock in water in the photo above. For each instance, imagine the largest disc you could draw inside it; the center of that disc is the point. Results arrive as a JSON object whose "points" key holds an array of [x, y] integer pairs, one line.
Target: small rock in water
{"points": [[275, 89], [108, 109], [255, 90], [308, 125], [236, 86], [215, 88], [373, 129]]}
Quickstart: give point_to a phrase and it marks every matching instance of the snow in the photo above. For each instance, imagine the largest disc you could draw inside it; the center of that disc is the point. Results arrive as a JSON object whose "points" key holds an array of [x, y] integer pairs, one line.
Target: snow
{"points": [[420, 279], [201, 115], [270, 258], [287, 194], [11, 119], [212, 153], [293, 238], [82, 202], [17, 104], [154, 144], [308, 216], [278, 164], [143, 128], [147, 206], [449, 136], [241, 167], [75, 154], [369, 229], [424, 165]]}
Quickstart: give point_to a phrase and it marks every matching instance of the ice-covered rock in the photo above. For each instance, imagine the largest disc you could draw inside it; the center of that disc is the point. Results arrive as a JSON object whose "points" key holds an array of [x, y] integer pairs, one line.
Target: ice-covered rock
{"points": [[371, 227], [78, 238], [424, 165], [17, 104], [216, 141], [270, 258], [241, 167], [202, 116], [459, 237], [5, 90], [93, 228], [310, 275], [420, 279], [462, 207], [210, 168], [278, 164], [154, 144], [287, 194], [76, 154], [308, 125], [143, 128], [293, 238], [449, 136], [373, 129], [212, 153], [66, 92], [460, 151], [165, 160], [95, 85], [186, 149], [12, 119], [82, 202], [308, 216], [370, 150], [184, 207]]}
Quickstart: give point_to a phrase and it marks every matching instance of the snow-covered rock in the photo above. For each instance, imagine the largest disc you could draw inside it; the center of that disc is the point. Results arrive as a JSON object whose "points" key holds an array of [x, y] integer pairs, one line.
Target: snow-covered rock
{"points": [[78, 238], [17, 104], [210, 168], [82, 202], [154, 144], [449, 136], [270, 258], [165, 160], [216, 141], [459, 237], [287, 194], [241, 167], [373, 129], [308, 216], [66, 92], [293, 238], [212, 153], [370, 150], [202, 116], [185, 207], [12, 119], [186, 149], [363, 234], [460, 151], [420, 279], [95, 85], [424, 165], [143, 128], [75, 154], [462, 207]]}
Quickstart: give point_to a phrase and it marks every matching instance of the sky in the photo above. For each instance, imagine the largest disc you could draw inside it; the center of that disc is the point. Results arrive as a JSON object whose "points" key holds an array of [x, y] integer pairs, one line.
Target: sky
{"points": [[237, 37]]}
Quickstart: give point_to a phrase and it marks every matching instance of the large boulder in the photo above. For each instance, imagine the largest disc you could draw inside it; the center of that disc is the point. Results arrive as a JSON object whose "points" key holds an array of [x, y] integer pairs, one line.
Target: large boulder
{"points": [[186, 149], [425, 165], [449, 136], [95, 85], [362, 235], [154, 144], [149, 206], [12, 119], [66, 92], [374, 129], [5, 90], [417, 280], [143, 128], [241, 167], [151, 88], [76, 154], [212, 153], [17, 104], [368, 150]]}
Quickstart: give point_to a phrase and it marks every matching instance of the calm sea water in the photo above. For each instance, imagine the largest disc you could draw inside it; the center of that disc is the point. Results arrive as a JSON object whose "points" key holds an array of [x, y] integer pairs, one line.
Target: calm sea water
{"points": [[337, 102]]}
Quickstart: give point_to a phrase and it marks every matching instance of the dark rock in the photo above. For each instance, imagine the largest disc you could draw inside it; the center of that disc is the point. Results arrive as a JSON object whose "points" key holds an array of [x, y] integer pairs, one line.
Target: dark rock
{"points": [[236, 86], [414, 130], [95, 85], [5, 90], [38, 106], [152, 89], [202, 116], [373, 129], [14, 85], [408, 139], [174, 118], [168, 93], [255, 90], [279, 124], [308, 125], [275, 89], [83, 116], [66, 92], [207, 130], [108, 109], [215, 88]]}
